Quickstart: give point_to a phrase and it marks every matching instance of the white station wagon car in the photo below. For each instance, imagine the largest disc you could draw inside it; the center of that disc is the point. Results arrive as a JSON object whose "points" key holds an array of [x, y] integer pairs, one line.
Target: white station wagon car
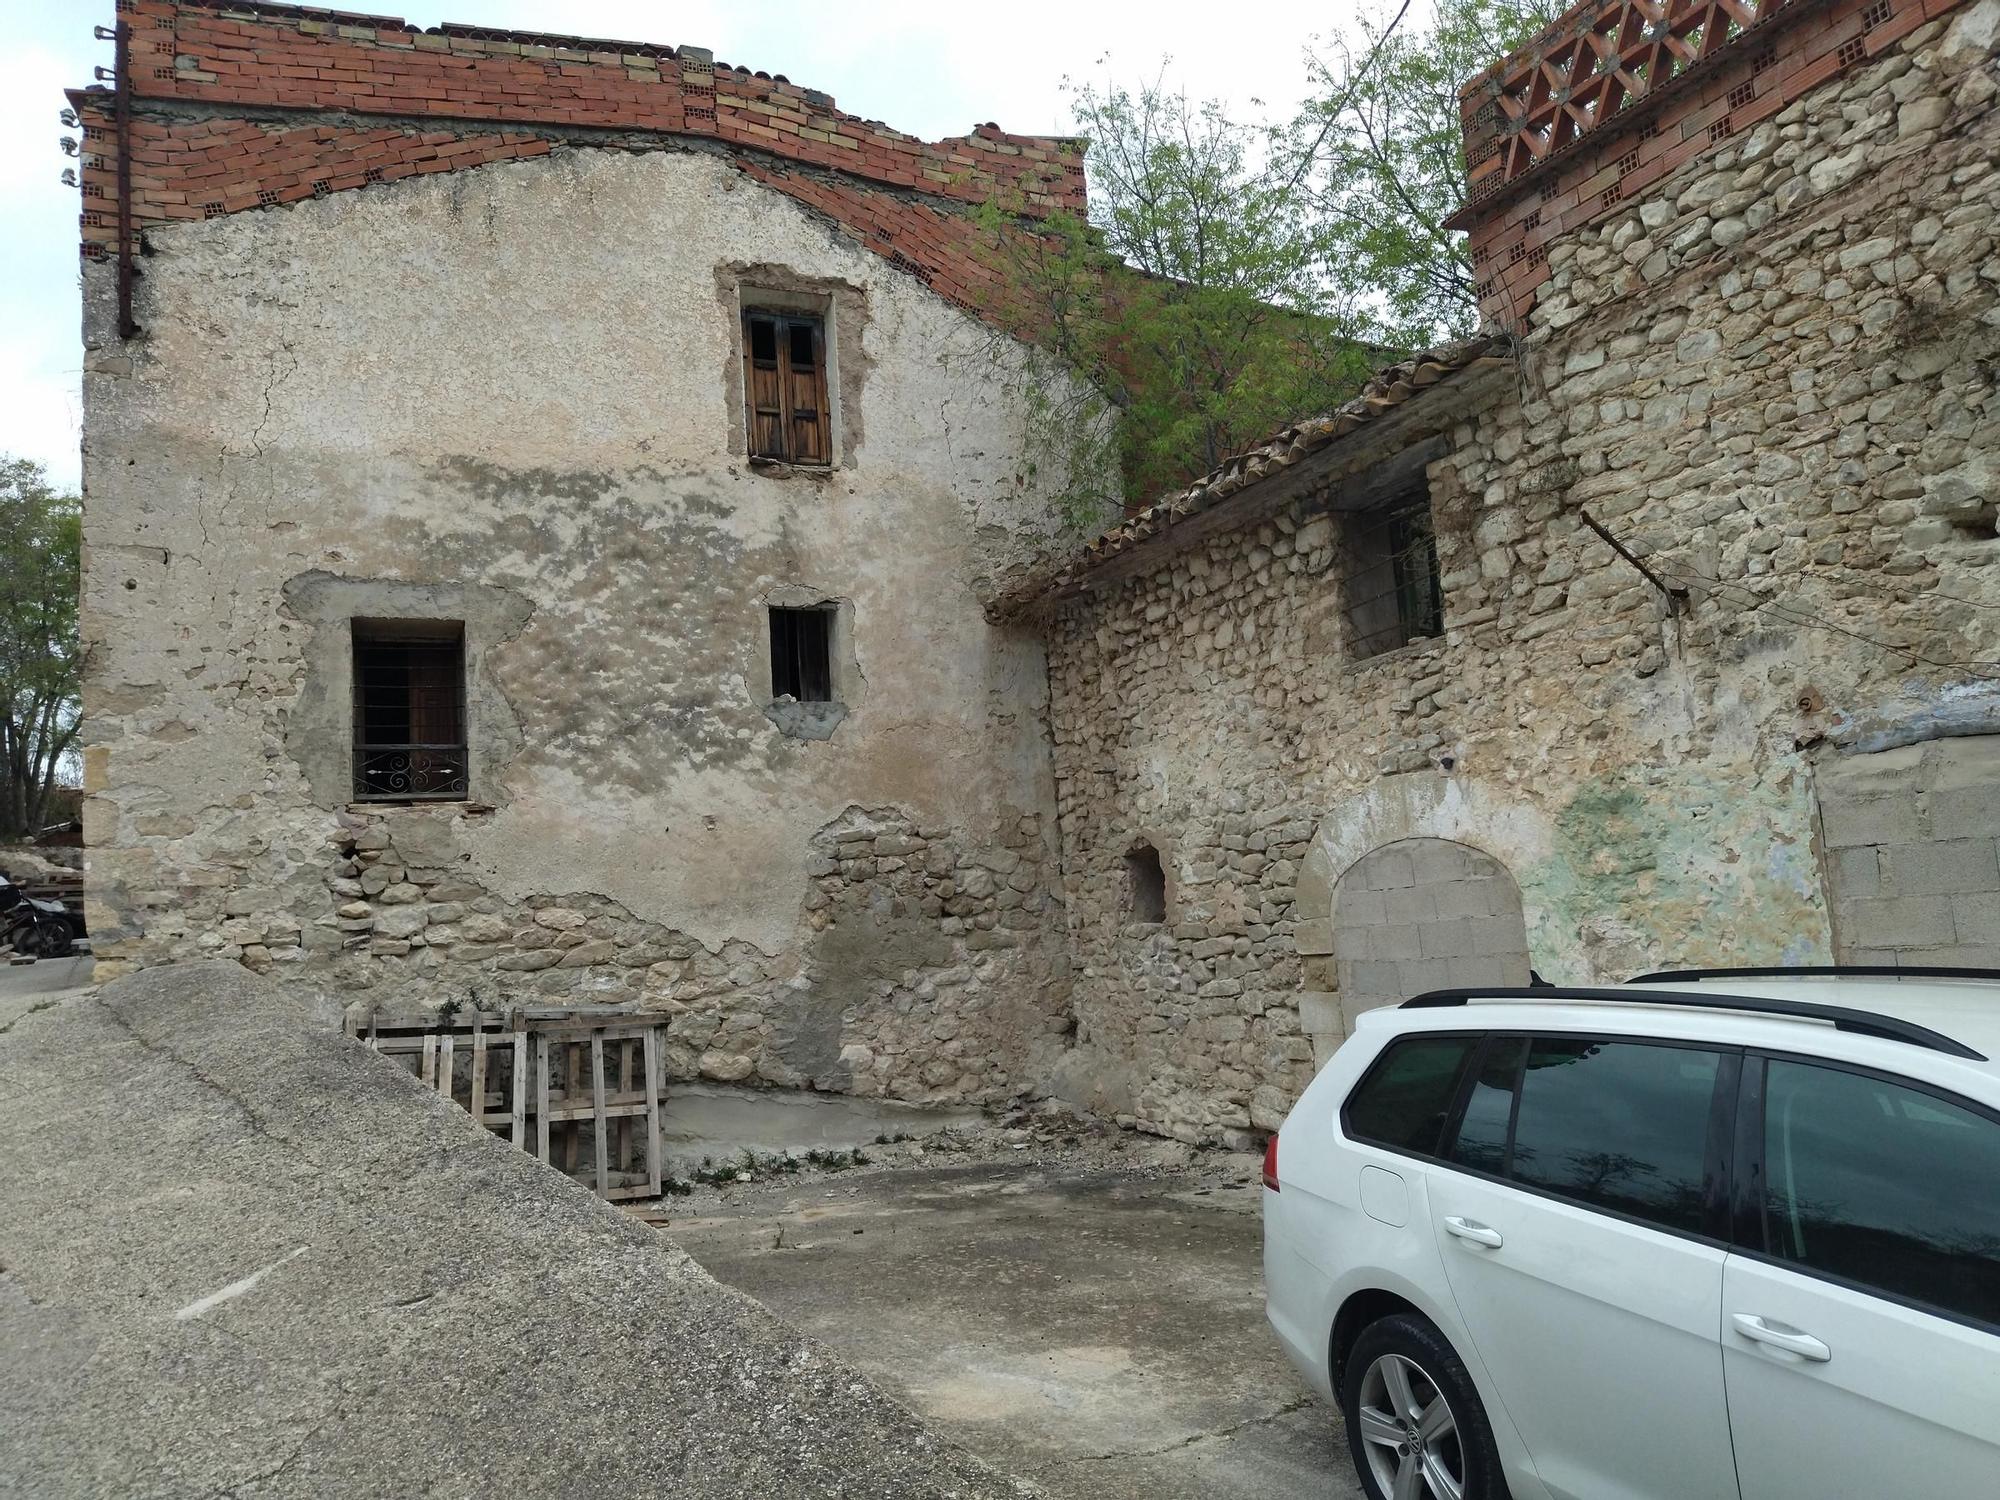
{"points": [[1709, 1236]]}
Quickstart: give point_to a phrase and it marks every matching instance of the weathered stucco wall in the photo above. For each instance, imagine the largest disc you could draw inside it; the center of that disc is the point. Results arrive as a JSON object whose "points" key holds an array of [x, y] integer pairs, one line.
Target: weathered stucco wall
{"points": [[508, 396], [1774, 376]]}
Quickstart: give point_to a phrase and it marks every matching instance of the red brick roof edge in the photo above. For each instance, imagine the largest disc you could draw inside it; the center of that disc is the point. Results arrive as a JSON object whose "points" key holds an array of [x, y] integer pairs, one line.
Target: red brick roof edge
{"points": [[240, 104]]}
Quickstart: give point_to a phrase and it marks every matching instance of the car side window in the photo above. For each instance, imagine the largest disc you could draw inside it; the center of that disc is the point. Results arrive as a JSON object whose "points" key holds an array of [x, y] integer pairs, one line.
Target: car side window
{"points": [[1481, 1141], [1889, 1187], [1406, 1096], [1617, 1125]]}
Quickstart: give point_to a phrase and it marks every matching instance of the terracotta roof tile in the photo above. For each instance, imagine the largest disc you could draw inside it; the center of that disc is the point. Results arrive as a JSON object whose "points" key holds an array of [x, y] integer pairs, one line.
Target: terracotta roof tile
{"points": [[1386, 390]]}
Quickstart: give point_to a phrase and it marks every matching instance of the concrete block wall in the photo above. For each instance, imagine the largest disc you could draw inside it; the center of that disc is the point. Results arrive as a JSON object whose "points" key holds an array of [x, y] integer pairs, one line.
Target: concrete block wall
{"points": [[1425, 914], [1912, 839]]}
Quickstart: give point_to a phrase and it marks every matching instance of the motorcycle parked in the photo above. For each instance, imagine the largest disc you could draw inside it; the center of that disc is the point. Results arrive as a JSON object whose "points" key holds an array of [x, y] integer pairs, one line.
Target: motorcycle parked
{"points": [[35, 928]]}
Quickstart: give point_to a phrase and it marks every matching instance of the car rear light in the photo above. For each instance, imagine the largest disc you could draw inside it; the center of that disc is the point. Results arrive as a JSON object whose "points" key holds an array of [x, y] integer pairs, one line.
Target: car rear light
{"points": [[1271, 1164]]}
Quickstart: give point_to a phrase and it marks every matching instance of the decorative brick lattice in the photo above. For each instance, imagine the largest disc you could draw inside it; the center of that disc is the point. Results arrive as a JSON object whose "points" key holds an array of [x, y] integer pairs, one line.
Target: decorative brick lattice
{"points": [[1877, 14], [1610, 196], [1629, 162], [1721, 130], [1852, 52], [1533, 221], [1742, 94], [1586, 69], [1764, 61]]}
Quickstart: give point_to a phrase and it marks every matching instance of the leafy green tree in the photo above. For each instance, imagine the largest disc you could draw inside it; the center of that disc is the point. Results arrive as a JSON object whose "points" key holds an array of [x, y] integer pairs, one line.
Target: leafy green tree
{"points": [[1382, 150], [41, 546], [1190, 315]]}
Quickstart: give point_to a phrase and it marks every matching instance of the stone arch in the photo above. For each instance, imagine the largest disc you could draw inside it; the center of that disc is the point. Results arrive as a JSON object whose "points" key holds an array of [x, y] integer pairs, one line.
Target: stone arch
{"points": [[1423, 914], [1487, 820]]}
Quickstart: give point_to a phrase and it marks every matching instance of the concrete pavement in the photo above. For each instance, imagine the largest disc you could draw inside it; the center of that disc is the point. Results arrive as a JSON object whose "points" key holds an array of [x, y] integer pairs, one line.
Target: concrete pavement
{"points": [[241, 1256], [1098, 1329]]}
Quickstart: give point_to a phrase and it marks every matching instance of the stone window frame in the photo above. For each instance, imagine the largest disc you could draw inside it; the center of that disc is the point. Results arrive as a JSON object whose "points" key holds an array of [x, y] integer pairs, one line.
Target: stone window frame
{"points": [[319, 735], [807, 721], [842, 308]]}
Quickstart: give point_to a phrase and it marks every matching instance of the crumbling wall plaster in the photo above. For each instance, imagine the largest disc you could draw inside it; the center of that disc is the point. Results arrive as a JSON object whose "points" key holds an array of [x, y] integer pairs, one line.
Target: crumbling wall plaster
{"points": [[508, 394], [1773, 376]]}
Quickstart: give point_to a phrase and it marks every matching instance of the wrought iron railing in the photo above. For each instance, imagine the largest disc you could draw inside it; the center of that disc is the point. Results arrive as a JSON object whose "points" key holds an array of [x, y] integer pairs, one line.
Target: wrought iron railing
{"points": [[410, 773]]}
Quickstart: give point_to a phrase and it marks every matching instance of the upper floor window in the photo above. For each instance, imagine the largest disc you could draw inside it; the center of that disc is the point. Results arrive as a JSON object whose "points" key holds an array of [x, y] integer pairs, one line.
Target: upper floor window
{"points": [[409, 710], [784, 386], [1394, 595]]}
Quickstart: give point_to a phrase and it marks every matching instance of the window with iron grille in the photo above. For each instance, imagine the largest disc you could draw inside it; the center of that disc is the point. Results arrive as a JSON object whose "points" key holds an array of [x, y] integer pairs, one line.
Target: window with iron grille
{"points": [[1393, 595], [802, 654], [409, 711], [784, 386]]}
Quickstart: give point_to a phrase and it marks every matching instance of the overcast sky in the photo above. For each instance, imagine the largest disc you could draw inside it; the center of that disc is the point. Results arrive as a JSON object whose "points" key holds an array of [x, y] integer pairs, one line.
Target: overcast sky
{"points": [[929, 70]]}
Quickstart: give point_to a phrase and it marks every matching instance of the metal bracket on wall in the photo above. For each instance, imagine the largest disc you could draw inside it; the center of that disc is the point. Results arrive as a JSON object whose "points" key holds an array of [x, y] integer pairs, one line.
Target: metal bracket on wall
{"points": [[120, 36], [1676, 595]]}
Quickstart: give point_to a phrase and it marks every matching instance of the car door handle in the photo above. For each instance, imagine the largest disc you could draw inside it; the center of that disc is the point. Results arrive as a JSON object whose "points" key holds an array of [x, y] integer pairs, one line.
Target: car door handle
{"points": [[1478, 1233], [1780, 1337]]}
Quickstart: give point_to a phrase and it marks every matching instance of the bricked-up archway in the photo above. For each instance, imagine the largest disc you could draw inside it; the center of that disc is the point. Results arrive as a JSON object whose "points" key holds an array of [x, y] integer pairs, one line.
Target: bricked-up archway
{"points": [[1421, 914]]}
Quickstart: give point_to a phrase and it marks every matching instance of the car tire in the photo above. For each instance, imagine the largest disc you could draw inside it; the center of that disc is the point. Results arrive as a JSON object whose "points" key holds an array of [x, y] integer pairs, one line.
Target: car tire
{"points": [[1401, 1365]]}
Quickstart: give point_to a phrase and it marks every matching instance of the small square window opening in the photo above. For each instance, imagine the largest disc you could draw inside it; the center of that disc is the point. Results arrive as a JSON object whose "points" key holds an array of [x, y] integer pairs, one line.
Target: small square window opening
{"points": [[802, 654], [409, 711], [784, 387]]}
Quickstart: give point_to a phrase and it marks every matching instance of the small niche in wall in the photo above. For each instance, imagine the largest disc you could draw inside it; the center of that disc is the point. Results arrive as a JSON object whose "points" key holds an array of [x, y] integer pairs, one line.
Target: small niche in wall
{"points": [[1145, 884]]}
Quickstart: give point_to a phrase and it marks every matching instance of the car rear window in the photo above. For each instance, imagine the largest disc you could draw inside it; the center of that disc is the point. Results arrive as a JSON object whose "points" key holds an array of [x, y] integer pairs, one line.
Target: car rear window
{"points": [[1405, 1098], [1889, 1187]]}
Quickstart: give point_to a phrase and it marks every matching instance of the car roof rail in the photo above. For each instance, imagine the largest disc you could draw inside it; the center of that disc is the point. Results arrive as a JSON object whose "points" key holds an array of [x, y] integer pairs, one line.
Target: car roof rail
{"points": [[1821, 971], [1841, 1017]]}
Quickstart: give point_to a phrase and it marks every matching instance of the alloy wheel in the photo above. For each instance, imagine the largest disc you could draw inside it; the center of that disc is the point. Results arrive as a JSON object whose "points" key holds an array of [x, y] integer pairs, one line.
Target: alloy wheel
{"points": [[1409, 1433]]}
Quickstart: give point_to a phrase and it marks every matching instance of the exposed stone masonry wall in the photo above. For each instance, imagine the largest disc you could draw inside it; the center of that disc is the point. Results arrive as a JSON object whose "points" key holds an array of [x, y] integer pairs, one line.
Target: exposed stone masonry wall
{"points": [[1774, 377], [929, 978]]}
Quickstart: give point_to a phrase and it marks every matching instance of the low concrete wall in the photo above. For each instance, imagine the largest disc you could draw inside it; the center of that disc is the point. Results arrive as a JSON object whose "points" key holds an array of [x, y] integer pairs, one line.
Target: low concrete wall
{"points": [[239, 1254]]}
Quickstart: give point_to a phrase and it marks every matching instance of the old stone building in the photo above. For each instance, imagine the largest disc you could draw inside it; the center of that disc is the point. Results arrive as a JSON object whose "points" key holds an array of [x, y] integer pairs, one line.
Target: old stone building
{"points": [[536, 536], [574, 431], [1388, 713]]}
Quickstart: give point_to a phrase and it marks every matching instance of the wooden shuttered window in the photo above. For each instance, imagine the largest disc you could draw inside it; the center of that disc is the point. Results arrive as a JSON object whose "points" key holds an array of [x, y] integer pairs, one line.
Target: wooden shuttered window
{"points": [[784, 387]]}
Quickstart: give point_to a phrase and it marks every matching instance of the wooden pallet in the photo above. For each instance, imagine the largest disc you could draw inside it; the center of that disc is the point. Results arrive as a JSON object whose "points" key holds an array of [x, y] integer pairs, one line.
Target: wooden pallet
{"points": [[580, 1088]]}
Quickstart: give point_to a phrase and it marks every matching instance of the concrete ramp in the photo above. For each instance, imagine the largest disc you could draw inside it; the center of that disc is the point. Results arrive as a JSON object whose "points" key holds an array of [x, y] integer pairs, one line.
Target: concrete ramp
{"points": [[239, 1255]]}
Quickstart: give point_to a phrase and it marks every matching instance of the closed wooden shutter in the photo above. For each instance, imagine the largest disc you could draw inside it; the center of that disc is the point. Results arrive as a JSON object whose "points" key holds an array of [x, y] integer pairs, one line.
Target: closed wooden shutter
{"points": [[784, 384]]}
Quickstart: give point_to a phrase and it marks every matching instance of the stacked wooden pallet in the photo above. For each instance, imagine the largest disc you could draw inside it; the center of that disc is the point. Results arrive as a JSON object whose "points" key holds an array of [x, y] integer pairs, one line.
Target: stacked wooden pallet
{"points": [[577, 1086]]}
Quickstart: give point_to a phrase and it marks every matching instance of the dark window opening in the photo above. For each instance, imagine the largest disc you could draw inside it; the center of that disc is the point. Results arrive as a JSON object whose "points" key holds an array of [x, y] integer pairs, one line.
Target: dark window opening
{"points": [[784, 387], [1393, 592], [409, 711], [802, 654], [1146, 881]]}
